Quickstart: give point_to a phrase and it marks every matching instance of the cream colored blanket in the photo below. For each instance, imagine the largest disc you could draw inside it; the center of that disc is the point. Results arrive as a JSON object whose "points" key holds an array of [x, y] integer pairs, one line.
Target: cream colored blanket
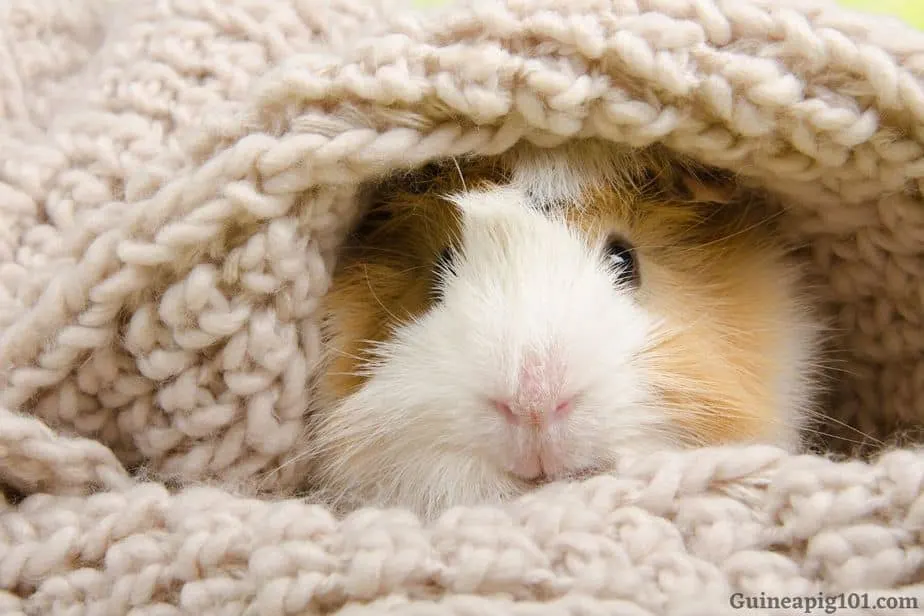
{"points": [[174, 178]]}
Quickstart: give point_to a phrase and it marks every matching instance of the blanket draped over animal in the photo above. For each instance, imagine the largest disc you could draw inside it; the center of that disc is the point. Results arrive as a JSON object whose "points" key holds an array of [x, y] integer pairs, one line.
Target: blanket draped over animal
{"points": [[175, 176]]}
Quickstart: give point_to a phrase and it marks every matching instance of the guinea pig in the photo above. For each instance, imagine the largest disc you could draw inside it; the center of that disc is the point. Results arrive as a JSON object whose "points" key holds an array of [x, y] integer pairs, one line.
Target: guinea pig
{"points": [[497, 323]]}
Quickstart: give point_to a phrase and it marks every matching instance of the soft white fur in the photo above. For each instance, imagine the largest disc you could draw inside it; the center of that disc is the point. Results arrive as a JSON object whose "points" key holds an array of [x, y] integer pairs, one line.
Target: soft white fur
{"points": [[422, 431]]}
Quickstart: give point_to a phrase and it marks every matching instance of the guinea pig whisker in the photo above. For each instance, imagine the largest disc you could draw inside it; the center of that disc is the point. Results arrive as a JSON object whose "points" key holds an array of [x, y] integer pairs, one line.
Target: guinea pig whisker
{"points": [[827, 418], [353, 373], [455, 161], [698, 248], [378, 355], [831, 367], [829, 435], [376, 297], [813, 414], [700, 411], [740, 232], [287, 463], [670, 435], [342, 353], [388, 251], [412, 269]]}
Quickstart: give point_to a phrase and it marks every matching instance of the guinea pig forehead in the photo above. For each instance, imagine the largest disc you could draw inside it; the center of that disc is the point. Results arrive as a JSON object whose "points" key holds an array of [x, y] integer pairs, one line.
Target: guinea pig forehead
{"points": [[551, 184]]}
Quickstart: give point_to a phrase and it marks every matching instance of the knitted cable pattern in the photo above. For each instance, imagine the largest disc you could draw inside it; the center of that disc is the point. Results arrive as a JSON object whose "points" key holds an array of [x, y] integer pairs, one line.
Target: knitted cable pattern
{"points": [[175, 177]]}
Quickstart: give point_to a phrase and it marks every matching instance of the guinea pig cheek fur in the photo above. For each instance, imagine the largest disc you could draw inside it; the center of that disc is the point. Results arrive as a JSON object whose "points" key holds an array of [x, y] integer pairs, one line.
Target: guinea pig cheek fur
{"points": [[529, 303]]}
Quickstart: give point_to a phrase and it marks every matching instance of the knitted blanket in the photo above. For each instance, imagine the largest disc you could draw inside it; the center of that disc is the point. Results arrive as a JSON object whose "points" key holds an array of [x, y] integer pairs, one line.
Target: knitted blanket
{"points": [[175, 177]]}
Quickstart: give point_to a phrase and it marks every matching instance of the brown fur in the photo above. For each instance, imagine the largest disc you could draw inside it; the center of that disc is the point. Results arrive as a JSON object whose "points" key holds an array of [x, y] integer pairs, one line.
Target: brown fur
{"points": [[713, 271]]}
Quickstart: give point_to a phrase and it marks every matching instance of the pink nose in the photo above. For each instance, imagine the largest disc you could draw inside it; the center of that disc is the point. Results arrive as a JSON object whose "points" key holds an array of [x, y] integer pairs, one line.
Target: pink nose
{"points": [[537, 399], [536, 415]]}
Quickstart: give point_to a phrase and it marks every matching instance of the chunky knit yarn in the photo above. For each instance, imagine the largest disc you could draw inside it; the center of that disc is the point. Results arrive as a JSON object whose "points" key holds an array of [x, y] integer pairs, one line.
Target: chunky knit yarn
{"points": [[175, 177]]}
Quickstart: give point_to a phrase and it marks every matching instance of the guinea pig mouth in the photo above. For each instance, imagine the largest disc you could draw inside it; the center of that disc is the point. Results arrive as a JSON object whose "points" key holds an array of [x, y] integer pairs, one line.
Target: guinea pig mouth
{"points": [[583, 473], [575, 475], [537, 481]]}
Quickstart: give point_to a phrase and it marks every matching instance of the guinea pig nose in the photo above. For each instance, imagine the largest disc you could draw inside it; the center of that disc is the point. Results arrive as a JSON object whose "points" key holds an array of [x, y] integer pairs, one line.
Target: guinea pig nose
{"points": [[537, 413], [537, 397]]}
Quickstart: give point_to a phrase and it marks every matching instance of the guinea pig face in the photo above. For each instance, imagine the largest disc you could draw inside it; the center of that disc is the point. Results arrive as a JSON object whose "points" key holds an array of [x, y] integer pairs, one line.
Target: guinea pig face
{"points": [[539, 321]]}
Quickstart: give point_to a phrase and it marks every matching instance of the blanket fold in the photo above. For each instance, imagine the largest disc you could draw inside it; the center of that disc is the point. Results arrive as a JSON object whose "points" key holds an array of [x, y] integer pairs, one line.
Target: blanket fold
{"points": [[177, 176]]}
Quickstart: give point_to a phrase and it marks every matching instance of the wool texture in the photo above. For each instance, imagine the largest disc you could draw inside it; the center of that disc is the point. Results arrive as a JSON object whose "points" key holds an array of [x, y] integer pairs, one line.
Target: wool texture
{"points": [[176, 176]]}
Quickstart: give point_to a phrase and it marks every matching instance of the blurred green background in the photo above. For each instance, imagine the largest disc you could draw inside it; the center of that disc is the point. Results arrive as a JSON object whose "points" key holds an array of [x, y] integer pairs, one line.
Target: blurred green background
{"points": [[912, 11]]}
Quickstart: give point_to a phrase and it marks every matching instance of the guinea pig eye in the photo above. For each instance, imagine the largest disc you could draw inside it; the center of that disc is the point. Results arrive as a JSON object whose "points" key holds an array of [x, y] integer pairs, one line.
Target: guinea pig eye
{"points": [[620, 257]]}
